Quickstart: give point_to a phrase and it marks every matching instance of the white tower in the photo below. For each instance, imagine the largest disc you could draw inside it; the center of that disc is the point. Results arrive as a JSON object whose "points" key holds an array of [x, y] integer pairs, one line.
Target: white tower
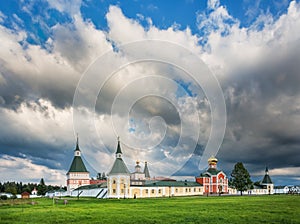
{"points": [[77, 174], [118, 182], [268, 182]]}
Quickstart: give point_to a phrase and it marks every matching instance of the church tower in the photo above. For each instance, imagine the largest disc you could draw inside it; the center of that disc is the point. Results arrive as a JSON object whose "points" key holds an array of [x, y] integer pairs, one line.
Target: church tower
{"points": [[268, 182], [212, 163], [118, 182], [213, 180], [77, 174]]}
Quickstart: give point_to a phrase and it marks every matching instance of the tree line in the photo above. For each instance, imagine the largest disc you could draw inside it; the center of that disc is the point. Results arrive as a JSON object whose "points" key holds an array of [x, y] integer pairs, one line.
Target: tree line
{"points": [[19, 187]]}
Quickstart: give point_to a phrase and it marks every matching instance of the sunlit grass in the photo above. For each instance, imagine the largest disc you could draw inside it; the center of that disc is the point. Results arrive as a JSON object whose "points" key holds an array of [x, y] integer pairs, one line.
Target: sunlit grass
{"points": [[224, 209]]}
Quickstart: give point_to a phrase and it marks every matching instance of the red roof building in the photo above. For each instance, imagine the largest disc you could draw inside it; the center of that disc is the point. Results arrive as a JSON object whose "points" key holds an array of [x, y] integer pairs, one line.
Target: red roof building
{"points": [[214, 181], [25, 195]]}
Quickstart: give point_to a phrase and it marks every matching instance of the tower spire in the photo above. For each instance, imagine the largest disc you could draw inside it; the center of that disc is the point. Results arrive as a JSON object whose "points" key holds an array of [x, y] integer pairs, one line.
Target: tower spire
{"points": [[119, 151], [267, 171], [267, 178], [77, 144], [77, 151]]}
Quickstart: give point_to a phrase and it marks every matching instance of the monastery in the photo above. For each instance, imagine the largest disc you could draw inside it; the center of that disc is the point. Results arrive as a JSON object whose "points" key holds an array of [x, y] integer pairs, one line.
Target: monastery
{"points": [[121, 183]]}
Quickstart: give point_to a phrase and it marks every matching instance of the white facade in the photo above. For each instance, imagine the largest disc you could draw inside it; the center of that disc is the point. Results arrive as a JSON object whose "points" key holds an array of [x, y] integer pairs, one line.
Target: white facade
{"points": [[118, 186], [77, 179]]}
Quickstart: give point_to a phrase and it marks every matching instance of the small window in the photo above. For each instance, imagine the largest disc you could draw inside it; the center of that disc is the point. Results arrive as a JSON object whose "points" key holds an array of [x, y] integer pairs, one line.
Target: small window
{"points": [[114, 181], [152, 191], [146, 191], [176, 190], [114, 191], [122, 191], [159, 191]]}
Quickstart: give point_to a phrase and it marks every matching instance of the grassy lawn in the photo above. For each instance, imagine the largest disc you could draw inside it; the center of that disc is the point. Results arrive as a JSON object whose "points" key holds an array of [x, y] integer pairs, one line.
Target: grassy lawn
{"points": [[224, 209]]}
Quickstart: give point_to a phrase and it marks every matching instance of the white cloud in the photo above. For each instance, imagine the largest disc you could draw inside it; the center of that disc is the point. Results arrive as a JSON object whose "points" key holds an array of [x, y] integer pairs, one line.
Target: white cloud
{"points": [[213, 4], [38, 121], [119, 26], [285, 171], [90, 43], [71, 7], [2, 17], [242, 47], [50, 76], [16, 169], [18, 19]]}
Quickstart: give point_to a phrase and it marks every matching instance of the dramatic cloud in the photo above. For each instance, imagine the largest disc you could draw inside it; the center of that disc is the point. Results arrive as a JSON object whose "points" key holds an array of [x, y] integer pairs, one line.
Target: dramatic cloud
{"points": [[28, 171], [257, 67]]}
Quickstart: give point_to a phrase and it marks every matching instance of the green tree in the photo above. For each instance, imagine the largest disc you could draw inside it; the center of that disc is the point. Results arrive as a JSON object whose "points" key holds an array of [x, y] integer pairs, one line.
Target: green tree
{"points": [[2, 188], [42, 182], [11, 187], [42, 188], [241, 177]]}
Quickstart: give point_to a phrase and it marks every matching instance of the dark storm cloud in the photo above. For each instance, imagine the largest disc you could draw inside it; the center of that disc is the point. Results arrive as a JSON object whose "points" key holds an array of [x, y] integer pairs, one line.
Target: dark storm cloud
{"points": [[263, 124], [148, 106], [41, 153], [191, 167], [16, 91], [158, 106]]}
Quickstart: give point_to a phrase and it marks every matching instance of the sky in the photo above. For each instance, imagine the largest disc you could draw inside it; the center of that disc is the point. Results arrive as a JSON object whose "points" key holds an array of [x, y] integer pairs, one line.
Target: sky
{"points": [[178, 81]]}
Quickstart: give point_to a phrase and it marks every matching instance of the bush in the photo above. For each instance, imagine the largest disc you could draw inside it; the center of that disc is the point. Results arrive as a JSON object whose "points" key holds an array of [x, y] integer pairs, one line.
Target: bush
{"points": [[3, 197], [13, 196]]}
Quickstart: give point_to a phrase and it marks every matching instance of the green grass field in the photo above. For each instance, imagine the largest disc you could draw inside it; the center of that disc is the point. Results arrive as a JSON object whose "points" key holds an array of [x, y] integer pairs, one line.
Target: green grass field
{"points": [[224, 209]]}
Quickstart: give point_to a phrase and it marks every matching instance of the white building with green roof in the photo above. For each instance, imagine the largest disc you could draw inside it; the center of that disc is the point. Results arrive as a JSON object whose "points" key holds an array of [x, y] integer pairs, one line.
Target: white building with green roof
{"points": [[123, 184], [77, 175], [118, 179]]}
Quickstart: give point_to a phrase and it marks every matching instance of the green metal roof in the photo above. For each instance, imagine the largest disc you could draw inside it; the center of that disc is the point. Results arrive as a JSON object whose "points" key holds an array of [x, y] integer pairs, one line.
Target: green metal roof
{"points": [[210, 172], [213, 171], [153, 183], [119, 167], [267, 180], [77, 165]]}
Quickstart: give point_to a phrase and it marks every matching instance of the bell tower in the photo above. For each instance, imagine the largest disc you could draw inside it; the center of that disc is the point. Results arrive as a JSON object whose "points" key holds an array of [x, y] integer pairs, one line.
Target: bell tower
{"points": [[77, 175], [118, 182]]}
